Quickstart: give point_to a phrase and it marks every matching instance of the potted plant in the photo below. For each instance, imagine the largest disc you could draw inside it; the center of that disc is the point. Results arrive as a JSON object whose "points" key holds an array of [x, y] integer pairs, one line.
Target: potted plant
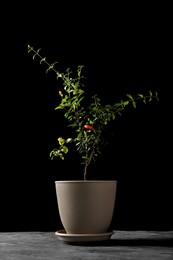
{"points": [[86, 206]]}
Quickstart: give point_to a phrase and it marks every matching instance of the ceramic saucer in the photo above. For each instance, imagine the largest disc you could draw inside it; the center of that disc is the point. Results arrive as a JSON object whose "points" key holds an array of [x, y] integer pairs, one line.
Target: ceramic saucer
{"points": [[73, 238]]}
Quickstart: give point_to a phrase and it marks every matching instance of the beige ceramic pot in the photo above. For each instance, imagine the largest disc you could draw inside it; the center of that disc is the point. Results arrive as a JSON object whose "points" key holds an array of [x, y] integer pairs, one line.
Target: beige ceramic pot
{"points": [[86, 207]]}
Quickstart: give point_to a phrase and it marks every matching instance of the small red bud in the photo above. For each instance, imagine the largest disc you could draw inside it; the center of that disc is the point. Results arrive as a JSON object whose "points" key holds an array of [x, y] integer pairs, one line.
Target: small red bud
{"points": [[89, 127]]}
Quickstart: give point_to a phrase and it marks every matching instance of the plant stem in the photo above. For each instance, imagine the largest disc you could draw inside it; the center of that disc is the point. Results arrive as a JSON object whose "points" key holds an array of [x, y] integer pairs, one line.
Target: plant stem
{"points": [[90, 158]]}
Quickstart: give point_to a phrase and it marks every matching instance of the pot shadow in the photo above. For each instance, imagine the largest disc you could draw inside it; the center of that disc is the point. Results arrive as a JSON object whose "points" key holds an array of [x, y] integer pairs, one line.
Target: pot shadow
{"points": [[166, 242]]}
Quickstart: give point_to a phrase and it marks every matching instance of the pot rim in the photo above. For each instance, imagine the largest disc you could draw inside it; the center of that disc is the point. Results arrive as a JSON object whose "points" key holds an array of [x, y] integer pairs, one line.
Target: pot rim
{"points": [[87, 181]]}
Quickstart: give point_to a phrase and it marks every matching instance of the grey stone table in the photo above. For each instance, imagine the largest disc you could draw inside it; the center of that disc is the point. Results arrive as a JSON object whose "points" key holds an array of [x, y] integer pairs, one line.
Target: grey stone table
{"points": [[122, 245]]}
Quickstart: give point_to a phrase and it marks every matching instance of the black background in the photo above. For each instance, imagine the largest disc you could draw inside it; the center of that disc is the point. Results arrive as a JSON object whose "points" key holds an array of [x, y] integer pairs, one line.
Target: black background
{"points": [[124, 50]]}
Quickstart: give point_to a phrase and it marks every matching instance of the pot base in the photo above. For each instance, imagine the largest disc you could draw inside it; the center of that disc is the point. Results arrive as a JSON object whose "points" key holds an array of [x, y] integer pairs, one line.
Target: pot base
{"points": [[79, 238]]}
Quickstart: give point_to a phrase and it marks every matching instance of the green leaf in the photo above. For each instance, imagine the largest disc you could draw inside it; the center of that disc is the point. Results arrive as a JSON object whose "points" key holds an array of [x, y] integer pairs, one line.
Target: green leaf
{"points": [[150, 99], [130, 96], [59, 107], [72, 125], [61, 156], [113, 116], [64, 149], [69, 140], [125, 103], [79, 136], [61, 141], [144, 101], [134, 103]]}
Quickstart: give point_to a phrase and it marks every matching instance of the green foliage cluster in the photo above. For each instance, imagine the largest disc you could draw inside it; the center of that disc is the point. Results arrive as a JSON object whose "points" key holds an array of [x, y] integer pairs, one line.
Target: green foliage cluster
{"points": [[87, 121]]}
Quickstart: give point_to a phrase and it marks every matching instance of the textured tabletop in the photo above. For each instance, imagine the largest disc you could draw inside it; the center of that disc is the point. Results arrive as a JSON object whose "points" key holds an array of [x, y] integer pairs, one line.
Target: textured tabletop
{"points": [[122, 245]]}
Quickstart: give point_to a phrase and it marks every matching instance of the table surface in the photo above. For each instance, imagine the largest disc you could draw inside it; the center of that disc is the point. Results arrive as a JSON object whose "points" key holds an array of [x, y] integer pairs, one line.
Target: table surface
{"points": [[122, 245]]}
